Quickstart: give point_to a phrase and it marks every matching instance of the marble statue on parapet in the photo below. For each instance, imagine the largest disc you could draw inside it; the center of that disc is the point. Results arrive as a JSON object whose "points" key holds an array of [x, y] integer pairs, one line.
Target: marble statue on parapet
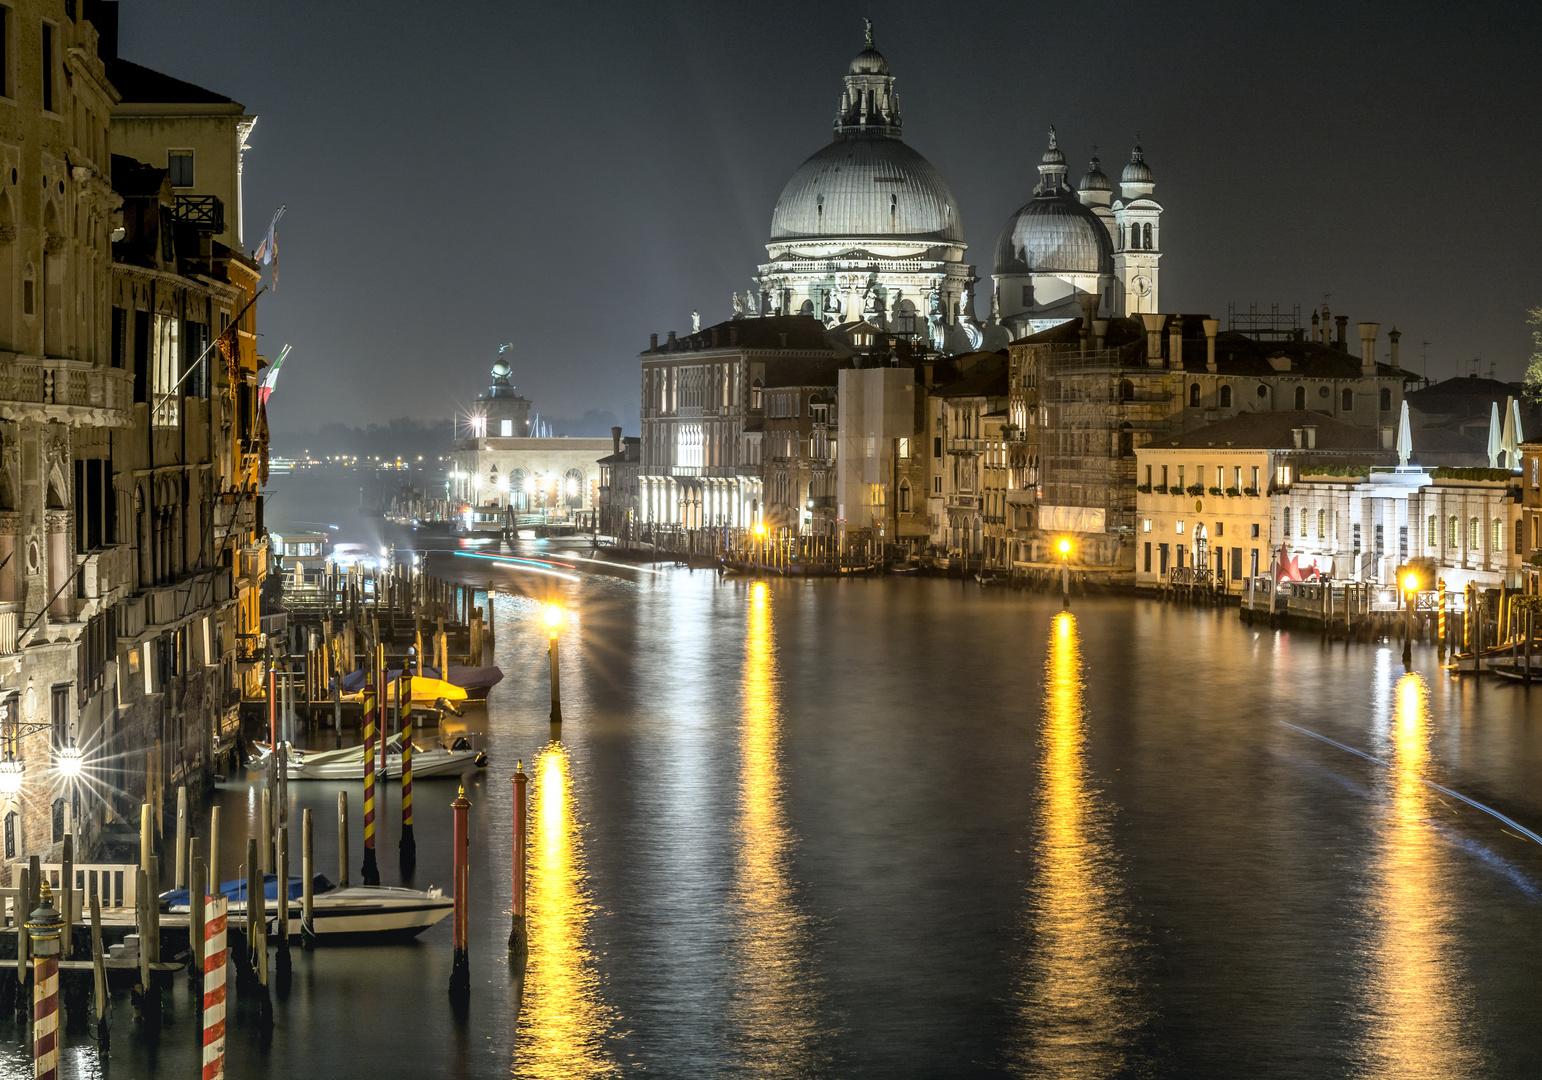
{"points": [[738, 306], [752, 303], [871, 304], [995, 307], [695, 322]]}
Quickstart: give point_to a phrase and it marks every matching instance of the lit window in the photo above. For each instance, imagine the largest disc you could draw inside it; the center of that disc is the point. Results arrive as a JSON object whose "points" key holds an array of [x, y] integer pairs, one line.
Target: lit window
{"points": [[1432, 531], [1179, 529], [1473, 537], [904, 448], [1282, 475], [1146, 525]]}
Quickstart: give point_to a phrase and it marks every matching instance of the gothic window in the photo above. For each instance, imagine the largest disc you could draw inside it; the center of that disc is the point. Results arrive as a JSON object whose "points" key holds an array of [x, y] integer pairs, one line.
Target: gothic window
{"points": [[755, 394], [1194, 395], [1300, 397], [1225, 397], [1126, 390], [1386, 400], [1119, 236], [1148, 236], [58, 821], [1348, 399], [904, 497]]}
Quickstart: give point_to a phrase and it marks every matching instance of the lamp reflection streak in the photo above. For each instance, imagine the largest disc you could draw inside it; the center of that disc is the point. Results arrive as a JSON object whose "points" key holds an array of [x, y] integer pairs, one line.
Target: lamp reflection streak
{"points": [[1074, 997], [563, 1023], [774, 1007], [1418, 1011]]}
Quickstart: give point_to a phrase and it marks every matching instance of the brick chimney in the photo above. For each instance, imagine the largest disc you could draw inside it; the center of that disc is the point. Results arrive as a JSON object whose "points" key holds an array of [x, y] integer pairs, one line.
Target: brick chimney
{"points": [[615, 440], [1175, 343], [653, 343], [1392, 337], [1341, 330]]}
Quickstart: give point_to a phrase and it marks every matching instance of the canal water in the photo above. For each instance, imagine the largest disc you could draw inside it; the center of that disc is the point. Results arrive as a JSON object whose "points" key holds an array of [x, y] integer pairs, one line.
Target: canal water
{"points": [[910, 828]]}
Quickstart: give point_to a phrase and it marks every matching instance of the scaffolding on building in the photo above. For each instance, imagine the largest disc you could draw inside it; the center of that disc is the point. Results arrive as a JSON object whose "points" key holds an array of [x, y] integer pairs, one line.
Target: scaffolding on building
{"points": [[1091, 410], [1271, 325]]}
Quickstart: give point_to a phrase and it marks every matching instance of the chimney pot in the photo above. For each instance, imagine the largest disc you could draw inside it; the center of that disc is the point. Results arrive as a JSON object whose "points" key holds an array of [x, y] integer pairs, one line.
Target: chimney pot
{"points": [[1100, 329], [1212, 327], [1392, 338], [1296, 433], [1341, 330], [615, 440], [1311, 435], [1368, 332], [1153, 322], [653, 343], [673, 341]]}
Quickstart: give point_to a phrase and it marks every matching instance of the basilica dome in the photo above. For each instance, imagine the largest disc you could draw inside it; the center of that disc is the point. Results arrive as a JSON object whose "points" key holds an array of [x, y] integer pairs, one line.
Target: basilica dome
{"points": [[1054, 234], [867, 187]]}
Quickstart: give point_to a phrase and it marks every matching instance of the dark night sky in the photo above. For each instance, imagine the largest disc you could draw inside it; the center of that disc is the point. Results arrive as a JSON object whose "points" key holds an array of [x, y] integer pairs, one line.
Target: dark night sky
{"points": [[574, 176]]}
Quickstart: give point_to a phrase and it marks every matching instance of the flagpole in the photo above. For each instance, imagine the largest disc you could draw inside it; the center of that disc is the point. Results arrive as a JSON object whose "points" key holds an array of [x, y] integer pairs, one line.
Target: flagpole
{"points": [[201, 357]]}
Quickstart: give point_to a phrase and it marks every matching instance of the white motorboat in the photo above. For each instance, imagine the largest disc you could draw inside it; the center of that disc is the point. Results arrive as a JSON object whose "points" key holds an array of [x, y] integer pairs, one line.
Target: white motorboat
{"points": [[358, 912], [348, 763]]}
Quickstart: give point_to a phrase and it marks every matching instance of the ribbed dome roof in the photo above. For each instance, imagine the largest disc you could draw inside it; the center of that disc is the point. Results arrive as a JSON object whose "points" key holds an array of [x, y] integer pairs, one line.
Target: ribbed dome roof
{"points": [[869, 62], [1096, 179], [869, 187], [1055, 234], [1137, 171]]}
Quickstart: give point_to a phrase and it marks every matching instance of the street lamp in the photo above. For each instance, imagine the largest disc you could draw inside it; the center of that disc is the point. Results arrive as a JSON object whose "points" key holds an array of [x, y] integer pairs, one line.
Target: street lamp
{"points": [[69, 761], [553, 616], [1410, 593], [1065, 572], [11, 772]]}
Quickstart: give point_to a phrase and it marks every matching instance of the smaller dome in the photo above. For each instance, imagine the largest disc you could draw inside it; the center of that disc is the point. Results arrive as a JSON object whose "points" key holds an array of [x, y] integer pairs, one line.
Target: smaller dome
{"points": [[1054, 234], [1052, 156], [500, 370], [1137, 171], [869, 62], [1096, 179]]}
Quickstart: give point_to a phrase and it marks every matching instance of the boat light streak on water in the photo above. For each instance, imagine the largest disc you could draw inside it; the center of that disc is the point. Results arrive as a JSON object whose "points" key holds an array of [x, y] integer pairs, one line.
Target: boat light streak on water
{"points": [[620, 565], [1427, 783], [528, 564]]}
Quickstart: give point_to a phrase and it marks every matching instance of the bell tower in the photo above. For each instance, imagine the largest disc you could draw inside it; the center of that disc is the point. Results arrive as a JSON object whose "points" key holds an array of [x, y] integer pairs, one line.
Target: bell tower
{"points": [[1137, 237]]}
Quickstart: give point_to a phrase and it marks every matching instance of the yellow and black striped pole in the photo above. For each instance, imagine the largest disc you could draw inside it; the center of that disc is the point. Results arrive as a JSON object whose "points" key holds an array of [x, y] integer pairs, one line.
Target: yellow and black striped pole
{"points": [[371, 871], [1440, 620], [408, 845]]}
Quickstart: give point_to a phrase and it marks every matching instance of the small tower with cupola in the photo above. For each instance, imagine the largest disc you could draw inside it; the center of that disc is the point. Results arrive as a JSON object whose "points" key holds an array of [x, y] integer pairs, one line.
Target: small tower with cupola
{"points": [[1137, 237]]}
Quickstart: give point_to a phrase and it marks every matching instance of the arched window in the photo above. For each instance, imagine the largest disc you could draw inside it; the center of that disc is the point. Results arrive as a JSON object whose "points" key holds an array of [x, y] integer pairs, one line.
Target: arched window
{"points": [[1148, 236], [1386, 400], [1432, 532], [58, 821], [1322, 524], [1498, 540], [11, 824], [807, 308], [1300, 397], [1453, 532], [1285, 522], [1119, 236], [1348, 400], [1225, 397], [1126, 440], [904, 496], [1193, 395], [755, 394], [1126, 390]]}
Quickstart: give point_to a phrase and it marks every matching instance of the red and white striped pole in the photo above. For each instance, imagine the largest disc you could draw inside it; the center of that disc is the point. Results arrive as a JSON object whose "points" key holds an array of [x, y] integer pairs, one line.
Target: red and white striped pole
{"points": [[214, 957], [43, 928]]}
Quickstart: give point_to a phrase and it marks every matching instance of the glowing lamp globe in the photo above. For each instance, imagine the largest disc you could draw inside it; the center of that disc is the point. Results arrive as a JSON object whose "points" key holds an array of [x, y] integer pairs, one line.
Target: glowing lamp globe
{"points": [[1411, 583], [1065, 547], [69, 761], [11, 772], [553, 616]]}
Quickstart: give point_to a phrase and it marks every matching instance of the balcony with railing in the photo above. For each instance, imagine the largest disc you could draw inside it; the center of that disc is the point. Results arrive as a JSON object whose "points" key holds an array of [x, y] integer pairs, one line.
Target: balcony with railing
{"points": [[10, 615], [64, 391]]}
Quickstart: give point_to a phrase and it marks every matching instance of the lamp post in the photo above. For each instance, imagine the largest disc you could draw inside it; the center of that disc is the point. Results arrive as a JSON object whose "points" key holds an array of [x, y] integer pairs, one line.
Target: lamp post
{"points": [[1065, 574], [553, 621], [1410, 592], [43, 929]]}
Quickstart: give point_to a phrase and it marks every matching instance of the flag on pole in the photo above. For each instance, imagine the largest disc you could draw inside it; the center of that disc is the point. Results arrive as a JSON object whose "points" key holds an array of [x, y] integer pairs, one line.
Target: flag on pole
{"points": [[270, 380], [267, 251]]}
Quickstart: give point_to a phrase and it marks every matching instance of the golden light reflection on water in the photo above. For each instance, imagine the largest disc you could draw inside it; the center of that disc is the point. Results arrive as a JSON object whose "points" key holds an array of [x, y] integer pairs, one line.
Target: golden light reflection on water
{"points": [[563, 1023], [1073, 998], [774, 1005], [1418, 1012]]}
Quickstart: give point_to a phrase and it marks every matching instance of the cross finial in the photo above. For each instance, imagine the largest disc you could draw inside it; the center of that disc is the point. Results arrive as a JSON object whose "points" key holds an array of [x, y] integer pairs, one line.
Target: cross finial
{"points": [[867, 25]]}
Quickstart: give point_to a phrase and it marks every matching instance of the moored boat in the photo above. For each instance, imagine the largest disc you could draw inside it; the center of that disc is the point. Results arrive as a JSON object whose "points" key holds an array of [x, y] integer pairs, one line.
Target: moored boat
{"points": [[361, 912]]}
